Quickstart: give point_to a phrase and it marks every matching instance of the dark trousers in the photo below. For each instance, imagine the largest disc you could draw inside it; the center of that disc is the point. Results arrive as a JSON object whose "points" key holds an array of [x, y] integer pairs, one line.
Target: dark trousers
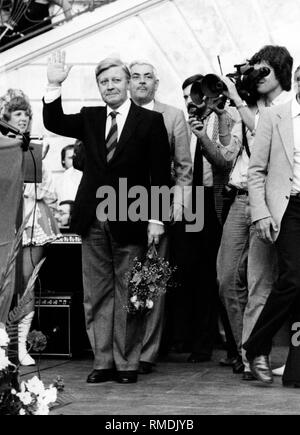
{"points": [[193, 304], [115, 335], [284, 300], [154, 321]]}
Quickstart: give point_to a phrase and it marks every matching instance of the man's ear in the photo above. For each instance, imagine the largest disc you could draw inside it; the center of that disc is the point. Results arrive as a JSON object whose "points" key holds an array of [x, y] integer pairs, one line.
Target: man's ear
{"points": [[156, 84]]}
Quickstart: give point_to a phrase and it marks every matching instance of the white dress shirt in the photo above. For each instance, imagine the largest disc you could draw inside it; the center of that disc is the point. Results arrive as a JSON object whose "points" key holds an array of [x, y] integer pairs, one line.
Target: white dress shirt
{"points": [[122, 113], [67, 184], [149, 106]]}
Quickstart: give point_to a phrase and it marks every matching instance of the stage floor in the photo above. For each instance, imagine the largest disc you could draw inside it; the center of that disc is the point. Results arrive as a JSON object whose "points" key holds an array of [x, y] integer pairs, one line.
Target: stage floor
{"points": [[174, 388]]}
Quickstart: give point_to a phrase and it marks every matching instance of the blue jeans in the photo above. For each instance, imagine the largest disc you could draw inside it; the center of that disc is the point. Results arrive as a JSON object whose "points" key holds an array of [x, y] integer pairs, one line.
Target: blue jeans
{"points": [[246, 268]]}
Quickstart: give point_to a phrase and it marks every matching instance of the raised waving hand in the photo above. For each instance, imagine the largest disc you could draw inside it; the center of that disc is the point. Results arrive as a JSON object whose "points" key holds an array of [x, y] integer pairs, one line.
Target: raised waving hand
{"points": [[57, 69]]}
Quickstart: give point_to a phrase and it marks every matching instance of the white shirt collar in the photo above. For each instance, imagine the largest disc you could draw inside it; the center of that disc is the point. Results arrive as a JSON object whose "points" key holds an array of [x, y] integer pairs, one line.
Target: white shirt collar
{"points": [[122, 110], [149, 106], [295, 107]]}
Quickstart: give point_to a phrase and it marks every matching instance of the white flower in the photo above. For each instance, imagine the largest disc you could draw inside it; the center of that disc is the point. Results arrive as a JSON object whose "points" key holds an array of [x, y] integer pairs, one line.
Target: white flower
{"points": [[25, 398], [137, 304], [50, 395], [4, 338], [4, 361], [133, 299], [42, 410], [22, 412], [35, 386], [149, 304]]}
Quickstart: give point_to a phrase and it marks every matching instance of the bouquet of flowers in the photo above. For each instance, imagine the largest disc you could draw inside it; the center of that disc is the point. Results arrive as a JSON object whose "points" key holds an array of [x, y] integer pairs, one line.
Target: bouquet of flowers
{"points": [[30, 397], [147, 280]]}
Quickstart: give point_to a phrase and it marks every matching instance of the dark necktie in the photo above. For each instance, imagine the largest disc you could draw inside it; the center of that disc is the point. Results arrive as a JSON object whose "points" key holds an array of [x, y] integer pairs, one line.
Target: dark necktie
{"points": [[198, 166], [112, 137]]}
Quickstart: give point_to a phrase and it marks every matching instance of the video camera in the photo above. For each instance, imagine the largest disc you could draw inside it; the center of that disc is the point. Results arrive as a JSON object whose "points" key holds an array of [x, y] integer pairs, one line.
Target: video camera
{"points": [[202, 105], [245, 78]]}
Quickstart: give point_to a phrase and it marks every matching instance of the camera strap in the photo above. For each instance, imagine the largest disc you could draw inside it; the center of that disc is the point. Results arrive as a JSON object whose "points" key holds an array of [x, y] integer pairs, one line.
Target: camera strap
{"points": [[245, 140]]}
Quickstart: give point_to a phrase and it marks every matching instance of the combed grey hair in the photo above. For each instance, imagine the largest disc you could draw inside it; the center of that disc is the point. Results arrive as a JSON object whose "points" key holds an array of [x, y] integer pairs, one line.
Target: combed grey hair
{"points": [[111, 62], [143, 62]]}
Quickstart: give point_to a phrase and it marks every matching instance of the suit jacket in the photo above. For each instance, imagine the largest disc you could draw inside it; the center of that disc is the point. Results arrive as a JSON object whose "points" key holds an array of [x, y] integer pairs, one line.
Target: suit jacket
{"points": [[271, 164], [179, 141], [142, 157]]}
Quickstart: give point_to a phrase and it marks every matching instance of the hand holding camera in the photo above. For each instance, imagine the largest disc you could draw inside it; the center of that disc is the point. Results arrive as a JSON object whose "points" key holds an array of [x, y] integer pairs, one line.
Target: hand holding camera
{"points": [[198, 126], [230, 90]]}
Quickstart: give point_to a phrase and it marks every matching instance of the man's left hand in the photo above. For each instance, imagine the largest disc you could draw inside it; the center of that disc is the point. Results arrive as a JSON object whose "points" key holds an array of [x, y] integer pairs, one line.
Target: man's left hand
{"points": [[155, 231]]}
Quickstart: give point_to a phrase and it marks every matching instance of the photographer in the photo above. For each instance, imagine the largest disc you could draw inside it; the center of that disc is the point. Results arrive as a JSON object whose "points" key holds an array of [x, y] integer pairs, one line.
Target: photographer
{"points": [[210, 169], [246, 266]]}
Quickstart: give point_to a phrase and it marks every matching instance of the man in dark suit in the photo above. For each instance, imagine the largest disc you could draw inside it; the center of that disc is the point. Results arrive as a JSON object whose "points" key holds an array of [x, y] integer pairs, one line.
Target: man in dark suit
{"points": [[122, 142]]}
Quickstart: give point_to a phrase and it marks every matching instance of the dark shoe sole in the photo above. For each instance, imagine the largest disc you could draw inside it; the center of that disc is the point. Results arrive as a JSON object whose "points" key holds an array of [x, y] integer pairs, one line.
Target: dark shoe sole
{"points": [[101, 381], [264, 381], [248, 377]]}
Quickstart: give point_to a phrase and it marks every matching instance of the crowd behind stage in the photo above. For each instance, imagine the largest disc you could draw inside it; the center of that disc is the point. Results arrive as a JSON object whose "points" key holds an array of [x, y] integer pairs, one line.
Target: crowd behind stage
{"points": [[239, 277]]}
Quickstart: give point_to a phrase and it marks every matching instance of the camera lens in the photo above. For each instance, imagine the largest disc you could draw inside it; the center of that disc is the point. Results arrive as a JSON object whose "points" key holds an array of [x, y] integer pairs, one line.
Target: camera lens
{"points": [[196, 93]]}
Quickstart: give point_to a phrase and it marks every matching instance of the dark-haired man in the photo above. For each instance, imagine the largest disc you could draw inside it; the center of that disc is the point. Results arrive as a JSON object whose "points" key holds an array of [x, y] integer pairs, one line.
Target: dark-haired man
{"points": [[67, 156], [198, 251], [67, 185], [122, 141], [247, 266], [274, 191]]}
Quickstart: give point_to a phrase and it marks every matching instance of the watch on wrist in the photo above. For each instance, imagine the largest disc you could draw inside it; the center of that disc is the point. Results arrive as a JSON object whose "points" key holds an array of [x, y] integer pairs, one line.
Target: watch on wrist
{"points": [[240, 105]]}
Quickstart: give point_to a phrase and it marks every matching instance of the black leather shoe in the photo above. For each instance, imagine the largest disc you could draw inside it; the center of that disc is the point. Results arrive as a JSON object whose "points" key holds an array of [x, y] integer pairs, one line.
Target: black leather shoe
{"points": [[126, 377], [97, 376], [198, 358], [248, 376], [238, 366], [260, 368], [145, 368]]}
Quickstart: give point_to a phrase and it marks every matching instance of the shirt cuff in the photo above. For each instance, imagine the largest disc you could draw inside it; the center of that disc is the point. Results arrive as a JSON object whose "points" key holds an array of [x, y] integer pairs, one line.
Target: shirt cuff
{"points": [[154, 221], [52, 94]]}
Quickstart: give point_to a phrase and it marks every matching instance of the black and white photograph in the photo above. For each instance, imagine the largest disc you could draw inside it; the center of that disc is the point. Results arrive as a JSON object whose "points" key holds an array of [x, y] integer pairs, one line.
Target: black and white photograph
{"points": [[149, 203]]}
